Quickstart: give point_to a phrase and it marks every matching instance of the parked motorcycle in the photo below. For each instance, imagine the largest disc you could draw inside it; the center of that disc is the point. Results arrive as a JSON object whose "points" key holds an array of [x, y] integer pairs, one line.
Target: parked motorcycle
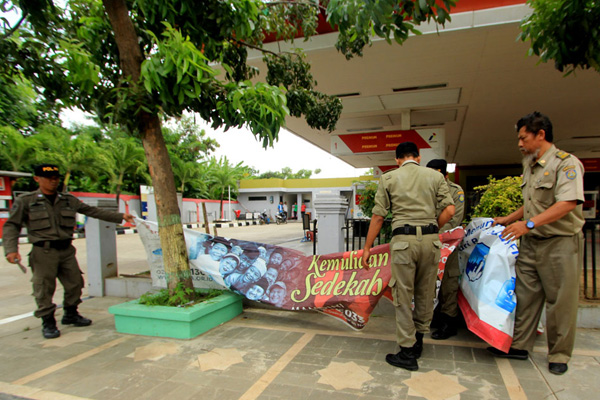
{"points": [[263, 218], [281, 218]]}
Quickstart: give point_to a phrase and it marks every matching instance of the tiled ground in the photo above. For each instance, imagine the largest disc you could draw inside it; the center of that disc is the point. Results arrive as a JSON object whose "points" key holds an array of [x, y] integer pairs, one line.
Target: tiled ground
{"points": [[266, 354]]}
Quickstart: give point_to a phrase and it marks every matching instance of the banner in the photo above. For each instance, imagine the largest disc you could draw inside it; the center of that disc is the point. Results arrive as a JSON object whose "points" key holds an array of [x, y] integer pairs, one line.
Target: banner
{"points": [[487, 296], [333, 284]]}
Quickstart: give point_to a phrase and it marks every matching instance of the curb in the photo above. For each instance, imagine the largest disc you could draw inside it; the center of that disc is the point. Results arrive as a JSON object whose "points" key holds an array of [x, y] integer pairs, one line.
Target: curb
{"points": [[132, 230]]}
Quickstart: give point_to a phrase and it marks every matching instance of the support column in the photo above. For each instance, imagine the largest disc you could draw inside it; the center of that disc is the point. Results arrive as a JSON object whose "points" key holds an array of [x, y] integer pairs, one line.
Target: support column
{"points": [[331, 210], [101, 245]]}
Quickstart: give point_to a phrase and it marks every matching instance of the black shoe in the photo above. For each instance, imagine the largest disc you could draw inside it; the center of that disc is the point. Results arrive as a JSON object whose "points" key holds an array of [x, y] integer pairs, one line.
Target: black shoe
{"points": [[403, 359], [76, 320], [49, 329], [558, 368], [417, 348], [447, 330], [515, 354]]}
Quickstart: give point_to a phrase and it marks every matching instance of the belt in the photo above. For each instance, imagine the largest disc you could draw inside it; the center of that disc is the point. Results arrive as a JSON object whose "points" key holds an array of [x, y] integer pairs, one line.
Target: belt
{"points": [[54, 244], [412, 230]]}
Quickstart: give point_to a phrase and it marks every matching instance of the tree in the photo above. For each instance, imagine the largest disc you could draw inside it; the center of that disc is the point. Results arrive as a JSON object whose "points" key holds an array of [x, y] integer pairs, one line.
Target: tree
{"points": [[223, 177], [565, 31], [79, 153], [124, 157], [287, 173], [133, 62], [17, 153]]}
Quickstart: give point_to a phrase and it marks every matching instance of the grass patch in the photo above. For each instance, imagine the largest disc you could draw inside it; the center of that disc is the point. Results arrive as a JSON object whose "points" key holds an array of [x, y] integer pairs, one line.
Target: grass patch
{"points": [[181, 297]]}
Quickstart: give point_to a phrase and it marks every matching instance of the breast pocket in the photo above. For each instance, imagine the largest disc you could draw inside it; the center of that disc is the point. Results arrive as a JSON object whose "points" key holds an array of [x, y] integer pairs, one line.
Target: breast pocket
{"points": [[38, 220], [67, 218], [543, 192]]}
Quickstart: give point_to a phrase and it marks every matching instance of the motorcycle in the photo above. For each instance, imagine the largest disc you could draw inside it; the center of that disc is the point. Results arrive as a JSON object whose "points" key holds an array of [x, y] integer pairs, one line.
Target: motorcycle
{"points": [[263, 218], [281, 218]]}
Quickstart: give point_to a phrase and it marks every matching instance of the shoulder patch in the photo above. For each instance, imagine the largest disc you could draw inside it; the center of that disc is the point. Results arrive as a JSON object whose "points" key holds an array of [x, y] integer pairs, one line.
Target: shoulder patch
{"points": [[562, 154], [461, 197], [571, 174], [569, 167]]}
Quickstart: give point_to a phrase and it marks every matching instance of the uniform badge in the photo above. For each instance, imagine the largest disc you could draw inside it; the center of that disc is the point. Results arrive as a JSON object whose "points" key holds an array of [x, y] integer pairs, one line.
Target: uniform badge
{"points": [[571, 174], [461, 197]]}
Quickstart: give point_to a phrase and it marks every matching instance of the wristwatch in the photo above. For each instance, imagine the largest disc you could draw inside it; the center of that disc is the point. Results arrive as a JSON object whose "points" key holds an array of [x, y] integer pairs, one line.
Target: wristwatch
{"points": [[530, 224]]}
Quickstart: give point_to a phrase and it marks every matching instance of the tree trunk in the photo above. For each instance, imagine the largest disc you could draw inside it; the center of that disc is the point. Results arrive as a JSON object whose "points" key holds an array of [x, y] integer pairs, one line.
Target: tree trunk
{"points": [[170, 228]]}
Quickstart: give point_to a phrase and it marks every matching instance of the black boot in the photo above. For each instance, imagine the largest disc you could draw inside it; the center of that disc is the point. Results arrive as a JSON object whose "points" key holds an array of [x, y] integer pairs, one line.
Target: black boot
{"points": [[448, 328], [417, 348], [72, 317], [405, 358], [49, 329]]}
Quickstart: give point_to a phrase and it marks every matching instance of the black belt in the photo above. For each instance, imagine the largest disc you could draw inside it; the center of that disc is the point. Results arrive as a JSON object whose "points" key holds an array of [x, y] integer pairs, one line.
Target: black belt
{"points": [[54, 244], [412, 230]]}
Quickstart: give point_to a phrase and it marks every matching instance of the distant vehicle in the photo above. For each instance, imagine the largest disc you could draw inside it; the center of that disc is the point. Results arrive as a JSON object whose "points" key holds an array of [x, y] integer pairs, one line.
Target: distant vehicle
{"points": [[281, 218], [264, 218]]}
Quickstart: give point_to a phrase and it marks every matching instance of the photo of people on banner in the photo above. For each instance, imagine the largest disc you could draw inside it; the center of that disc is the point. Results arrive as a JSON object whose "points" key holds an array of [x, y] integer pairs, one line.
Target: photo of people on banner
{"points": [[334, 284]]}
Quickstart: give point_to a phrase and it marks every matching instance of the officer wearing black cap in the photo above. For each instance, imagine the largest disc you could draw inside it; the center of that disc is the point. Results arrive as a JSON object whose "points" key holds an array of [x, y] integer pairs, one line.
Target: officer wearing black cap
{"points": [[420, 203], [449, 289], [50, 219]]}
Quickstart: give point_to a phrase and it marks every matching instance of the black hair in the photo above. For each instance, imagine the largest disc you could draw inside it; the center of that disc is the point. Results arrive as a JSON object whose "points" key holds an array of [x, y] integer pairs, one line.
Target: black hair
{"points": [[407, 149], [438, 164], [534, 122]]}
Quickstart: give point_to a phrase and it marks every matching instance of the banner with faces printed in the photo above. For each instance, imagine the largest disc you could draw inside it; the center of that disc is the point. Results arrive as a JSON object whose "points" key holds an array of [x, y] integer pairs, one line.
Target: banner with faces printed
{"points": [[333, 284]]}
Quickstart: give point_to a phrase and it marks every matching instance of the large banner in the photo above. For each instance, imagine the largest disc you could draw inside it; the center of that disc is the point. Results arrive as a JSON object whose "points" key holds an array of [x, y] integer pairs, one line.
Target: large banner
{"points": [[334, 284], [487, 286]]}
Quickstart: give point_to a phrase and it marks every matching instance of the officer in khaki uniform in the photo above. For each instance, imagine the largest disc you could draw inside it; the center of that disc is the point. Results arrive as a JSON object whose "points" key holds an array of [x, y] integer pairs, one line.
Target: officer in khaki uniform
{"points": [[414, 195], [50, 219], [550, 254], [449, 289]]}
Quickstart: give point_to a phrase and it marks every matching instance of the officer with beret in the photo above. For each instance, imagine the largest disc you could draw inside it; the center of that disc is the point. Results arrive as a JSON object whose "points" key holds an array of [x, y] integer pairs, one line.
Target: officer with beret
{"points": [[449, 289], [415, 195], [550, 253], [50, 220]]}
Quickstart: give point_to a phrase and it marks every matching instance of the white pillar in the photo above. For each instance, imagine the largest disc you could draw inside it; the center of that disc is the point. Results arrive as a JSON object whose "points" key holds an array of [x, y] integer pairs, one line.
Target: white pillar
{"points": [[331, 211], [101, 245]]}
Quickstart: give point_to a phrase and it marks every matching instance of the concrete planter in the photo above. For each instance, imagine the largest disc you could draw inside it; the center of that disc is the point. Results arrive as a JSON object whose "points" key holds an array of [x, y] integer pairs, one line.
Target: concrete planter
{"points": [[176, 322]]}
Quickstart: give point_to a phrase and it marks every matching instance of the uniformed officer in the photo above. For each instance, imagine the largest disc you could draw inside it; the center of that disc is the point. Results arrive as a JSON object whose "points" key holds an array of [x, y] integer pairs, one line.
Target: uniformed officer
{"points": [[414, 195], [449, 289], [50, 219], [549, 224]]}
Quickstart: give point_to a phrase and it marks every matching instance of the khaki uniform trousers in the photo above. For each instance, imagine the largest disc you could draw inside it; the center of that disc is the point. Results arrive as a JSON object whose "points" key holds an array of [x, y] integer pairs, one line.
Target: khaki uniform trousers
{"points": [[47, 264], [449, 287], [414, 269], [548, 273]]}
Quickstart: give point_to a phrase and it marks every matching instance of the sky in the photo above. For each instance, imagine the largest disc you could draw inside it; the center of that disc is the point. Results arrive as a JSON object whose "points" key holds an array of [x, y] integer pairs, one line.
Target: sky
{"points": [[240, 145]]}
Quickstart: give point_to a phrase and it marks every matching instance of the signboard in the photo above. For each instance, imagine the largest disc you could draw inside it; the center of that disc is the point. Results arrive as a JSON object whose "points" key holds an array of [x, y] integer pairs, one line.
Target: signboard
{"points": [[387, 141]]}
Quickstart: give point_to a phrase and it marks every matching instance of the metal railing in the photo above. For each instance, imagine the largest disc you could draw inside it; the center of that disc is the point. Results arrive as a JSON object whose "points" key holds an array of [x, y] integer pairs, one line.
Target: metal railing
{"points": [[591, 252], [356, 233]]}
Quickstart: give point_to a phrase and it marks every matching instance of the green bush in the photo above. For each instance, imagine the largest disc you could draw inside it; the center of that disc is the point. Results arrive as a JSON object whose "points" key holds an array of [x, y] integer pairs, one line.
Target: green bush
{"points": [[500, 197]]}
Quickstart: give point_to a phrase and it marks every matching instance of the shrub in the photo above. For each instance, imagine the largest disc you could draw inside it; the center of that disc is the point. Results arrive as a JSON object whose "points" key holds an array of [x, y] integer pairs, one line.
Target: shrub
{"points": [[500, 197]]}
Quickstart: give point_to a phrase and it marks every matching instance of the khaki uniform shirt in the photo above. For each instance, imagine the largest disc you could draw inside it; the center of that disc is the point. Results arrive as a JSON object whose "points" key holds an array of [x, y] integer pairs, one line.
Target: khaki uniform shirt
{"points": [[45, 221], [413, 194], [557, 176], [458, 196]]}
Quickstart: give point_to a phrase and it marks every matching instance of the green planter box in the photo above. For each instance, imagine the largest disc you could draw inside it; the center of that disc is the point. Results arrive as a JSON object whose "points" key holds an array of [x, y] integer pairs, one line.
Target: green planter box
{"points": [[176, 322]]}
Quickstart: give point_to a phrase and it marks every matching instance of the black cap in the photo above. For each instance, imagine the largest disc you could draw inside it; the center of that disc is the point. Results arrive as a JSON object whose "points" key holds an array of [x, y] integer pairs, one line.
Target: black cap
{"points": [[439, 164], [46, 170]]}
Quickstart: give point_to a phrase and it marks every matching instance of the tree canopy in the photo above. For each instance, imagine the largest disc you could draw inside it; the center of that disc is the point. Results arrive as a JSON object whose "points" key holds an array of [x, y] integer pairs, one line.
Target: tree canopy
{"points": [[133, 62], [564, 31]]}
